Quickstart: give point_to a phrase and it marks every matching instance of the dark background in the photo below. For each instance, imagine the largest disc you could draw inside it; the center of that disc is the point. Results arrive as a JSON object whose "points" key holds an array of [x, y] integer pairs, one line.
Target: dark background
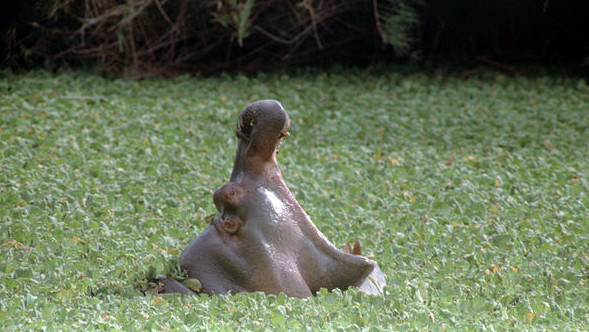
{"points": [[169, 37]]}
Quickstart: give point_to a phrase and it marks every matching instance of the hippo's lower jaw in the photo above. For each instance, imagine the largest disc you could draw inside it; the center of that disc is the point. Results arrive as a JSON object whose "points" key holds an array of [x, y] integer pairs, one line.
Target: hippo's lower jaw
{"points": [[263, 241], [372, 285]]}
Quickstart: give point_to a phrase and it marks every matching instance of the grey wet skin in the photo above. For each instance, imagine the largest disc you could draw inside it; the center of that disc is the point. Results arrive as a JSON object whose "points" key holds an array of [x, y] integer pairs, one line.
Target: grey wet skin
{"points": [[262, 240]]}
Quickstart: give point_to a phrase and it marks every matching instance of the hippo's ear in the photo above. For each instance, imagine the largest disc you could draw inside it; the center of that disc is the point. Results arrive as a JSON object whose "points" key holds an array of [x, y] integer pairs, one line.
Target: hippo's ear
{"points": [[357, 249], [230, 224]]}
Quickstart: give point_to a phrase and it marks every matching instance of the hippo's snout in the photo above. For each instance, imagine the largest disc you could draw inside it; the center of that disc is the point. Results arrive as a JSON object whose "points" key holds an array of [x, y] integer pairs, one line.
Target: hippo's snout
{"points": [[261, 126]]}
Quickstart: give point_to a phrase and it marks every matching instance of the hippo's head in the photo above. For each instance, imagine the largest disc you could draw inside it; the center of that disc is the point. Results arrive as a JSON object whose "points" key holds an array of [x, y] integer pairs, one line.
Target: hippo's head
{"points": [[262, 240]]}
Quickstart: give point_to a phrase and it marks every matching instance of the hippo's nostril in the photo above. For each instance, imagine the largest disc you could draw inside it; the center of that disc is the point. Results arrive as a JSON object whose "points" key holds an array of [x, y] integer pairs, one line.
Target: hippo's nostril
{"points": [[246, 123]]}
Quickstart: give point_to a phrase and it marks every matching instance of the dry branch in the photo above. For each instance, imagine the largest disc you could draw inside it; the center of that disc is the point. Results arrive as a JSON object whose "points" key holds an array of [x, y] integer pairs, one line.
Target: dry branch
{"points": [[131, 36]]}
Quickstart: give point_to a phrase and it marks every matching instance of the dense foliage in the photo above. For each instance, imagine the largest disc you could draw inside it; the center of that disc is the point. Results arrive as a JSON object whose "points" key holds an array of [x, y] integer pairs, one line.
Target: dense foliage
{"points": [[472, 195], [173, 36], [170, 37]]}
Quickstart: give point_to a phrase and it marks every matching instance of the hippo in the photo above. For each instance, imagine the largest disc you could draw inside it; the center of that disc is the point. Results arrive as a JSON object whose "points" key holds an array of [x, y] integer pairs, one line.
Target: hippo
{"points": [[262, 240]]}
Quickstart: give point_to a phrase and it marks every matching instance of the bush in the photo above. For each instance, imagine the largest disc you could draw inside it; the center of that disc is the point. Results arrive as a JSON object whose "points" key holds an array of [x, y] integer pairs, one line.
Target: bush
{"points": [[170, 36], [166, 37]]}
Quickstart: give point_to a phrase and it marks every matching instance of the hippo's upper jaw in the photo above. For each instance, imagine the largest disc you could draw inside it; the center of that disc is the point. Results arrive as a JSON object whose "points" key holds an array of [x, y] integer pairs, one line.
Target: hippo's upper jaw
{"points": [[262, 240]]}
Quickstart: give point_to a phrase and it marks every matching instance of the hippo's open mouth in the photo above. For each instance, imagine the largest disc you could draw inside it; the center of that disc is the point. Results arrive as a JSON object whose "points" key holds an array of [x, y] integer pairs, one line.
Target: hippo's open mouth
{"points": [[262, 240]]}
